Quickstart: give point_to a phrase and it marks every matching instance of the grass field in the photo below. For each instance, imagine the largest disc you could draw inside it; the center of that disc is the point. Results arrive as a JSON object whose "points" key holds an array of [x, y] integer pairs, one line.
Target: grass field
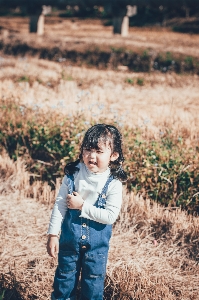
{"points": [[141, 97], [154, 249], [93, 31]]}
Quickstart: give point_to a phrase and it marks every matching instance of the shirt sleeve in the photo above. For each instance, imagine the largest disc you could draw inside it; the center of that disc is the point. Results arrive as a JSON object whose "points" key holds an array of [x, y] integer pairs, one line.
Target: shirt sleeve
{"points": [[59, 209], [109, 214]]}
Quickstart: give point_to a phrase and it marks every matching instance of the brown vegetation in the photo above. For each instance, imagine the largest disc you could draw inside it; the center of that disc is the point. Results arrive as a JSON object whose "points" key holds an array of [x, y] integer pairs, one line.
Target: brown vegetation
{"points": [[59, 31], [90, 43], [153, 251], [164, 168], [138, 96]]}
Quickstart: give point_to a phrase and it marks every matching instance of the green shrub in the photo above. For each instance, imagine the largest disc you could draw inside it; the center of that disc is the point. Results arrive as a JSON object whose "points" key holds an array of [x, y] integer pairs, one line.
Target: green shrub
{"points": [[24, 79], [189, 60], [164, 169], [140, 81], [117, 49], [145, 54], [129, 80]]}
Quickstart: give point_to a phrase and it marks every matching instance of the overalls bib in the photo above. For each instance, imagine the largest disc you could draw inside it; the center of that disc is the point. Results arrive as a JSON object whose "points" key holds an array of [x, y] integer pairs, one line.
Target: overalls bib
{"points": [[83, 246]]}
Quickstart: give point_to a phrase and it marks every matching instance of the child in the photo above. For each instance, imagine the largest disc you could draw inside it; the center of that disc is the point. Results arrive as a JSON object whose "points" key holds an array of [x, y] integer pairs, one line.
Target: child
{"points": [[88, 202]]}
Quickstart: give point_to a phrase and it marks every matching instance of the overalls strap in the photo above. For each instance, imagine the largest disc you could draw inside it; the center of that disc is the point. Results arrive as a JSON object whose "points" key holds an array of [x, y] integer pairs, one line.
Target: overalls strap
{"points": [[71, 184], [101, 201]]}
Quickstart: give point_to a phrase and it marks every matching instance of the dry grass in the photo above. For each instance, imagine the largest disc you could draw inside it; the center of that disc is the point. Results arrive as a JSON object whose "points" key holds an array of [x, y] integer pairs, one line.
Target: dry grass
{"points": [[154, 250], [66, 89], [21, 184], [93, 31], [150, 253], [23, 234]]}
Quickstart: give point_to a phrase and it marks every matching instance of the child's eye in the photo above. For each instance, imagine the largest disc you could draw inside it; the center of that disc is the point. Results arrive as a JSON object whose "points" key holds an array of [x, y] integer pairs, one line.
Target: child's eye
{"points": [[99, 151]]}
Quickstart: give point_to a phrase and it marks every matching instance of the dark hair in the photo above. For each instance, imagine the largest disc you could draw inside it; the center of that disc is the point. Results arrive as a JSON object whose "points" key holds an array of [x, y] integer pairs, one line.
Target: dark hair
{"points": [[104, 133]]}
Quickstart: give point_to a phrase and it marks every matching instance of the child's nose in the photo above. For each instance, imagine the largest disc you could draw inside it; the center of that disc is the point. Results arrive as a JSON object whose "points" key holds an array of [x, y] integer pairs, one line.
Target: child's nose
{"points": [[92, 154]]}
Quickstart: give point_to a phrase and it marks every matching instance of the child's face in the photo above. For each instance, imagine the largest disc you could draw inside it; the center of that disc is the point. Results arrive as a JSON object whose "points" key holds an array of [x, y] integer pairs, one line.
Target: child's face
{"points": [[97, 160]]}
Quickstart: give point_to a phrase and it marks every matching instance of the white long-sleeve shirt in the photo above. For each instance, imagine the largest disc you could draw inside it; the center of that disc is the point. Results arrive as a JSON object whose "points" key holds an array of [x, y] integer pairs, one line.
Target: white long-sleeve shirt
{"points": [[89, 186]]}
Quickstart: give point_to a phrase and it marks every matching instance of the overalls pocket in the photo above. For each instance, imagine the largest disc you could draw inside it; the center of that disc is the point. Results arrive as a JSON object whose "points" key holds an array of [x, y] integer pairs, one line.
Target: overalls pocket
{"points": [[67, 261]]}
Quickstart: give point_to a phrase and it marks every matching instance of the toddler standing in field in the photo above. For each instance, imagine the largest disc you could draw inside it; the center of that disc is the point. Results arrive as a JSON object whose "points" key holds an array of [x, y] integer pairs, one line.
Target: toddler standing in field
{"points": [[88, 203]]}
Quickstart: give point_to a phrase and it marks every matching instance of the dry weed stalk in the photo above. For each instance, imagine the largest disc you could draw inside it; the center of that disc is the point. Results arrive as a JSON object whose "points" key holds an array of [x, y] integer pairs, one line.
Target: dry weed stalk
{"points": [[14, 177]]}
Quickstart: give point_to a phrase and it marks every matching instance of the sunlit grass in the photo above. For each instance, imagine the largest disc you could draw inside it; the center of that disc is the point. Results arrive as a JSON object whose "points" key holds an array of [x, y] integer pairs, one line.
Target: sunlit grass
{"points": [[153, 252]]}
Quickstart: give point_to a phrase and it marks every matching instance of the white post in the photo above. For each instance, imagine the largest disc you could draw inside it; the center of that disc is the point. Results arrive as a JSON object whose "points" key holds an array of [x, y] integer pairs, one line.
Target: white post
{"points": [[125, 26], [38, 18], [121, 25], [121, 20], [40, 26], [131, 10]]}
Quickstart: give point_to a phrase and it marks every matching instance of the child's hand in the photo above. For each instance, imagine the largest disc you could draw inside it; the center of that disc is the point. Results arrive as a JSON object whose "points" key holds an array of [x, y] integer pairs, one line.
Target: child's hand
{"points": [[53, 245], [75, 201]]}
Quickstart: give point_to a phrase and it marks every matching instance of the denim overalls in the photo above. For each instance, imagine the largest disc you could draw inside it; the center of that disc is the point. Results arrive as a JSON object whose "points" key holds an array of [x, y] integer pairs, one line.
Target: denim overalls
{"points": [[83, 246]]}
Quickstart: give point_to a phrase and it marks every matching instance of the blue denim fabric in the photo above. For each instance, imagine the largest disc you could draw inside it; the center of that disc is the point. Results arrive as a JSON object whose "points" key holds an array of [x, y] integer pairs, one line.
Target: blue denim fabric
{"points": [[83, 249]]}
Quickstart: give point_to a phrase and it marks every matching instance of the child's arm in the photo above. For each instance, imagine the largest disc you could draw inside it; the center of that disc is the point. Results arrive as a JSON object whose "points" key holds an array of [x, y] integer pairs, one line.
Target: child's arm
{"points": [[107, 215], [53, 245], [57, 216]]}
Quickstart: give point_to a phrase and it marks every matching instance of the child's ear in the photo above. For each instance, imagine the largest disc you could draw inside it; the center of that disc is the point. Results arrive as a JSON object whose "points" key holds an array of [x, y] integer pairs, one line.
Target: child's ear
{"points": [[114, 156]]}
